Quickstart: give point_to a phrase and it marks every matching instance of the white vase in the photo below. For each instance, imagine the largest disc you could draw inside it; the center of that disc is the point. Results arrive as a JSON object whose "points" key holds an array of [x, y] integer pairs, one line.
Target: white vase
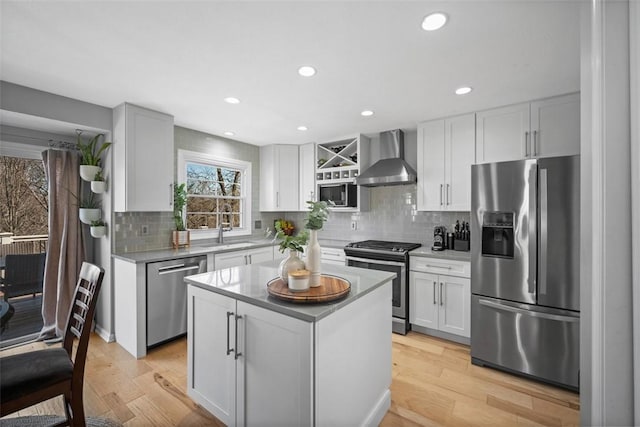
{"points": [[98, 230], [98, 187], [87, 215], [88, 172], [313, 258], [289, 264]]}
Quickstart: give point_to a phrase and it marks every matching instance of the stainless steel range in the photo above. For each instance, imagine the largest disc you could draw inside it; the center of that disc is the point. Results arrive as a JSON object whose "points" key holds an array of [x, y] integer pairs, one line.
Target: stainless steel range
{"points": [[387, 256]]}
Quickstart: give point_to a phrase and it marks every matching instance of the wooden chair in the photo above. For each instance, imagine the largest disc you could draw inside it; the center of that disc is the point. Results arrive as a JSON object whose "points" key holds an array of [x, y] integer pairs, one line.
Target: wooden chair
{"points": [[30, 378]]}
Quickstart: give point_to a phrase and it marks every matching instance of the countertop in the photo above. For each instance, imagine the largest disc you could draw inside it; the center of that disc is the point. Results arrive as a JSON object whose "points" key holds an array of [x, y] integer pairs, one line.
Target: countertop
{"points": [[165, 254], [425, 251], [248, 283]]}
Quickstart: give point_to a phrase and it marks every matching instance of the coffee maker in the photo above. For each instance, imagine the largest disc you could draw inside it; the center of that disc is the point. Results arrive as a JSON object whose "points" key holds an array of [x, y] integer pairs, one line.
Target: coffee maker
{"points": [[439, 238]]}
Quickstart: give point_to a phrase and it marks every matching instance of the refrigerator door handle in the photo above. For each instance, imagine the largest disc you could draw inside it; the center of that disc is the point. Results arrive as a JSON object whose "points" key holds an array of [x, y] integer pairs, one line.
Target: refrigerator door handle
{"points": [[530, 313], [531, 224], [526, 144], [542, 247]]}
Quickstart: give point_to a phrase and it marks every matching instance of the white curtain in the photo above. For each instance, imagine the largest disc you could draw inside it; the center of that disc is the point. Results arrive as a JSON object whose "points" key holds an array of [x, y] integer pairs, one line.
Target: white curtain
{"points": [[66, 249]]}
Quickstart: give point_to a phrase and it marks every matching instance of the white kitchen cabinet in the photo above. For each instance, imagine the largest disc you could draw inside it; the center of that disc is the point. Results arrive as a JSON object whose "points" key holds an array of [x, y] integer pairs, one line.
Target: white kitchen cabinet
{"points": [[142, 160], [242, 354], [244, 257], [279, 188], [543, 128], [307, 176], [446, 151], [440, 297]]}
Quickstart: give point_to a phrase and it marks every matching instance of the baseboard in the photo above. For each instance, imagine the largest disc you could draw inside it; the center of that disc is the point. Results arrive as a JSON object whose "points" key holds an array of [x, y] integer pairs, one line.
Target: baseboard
{"points": [[440, 334], [104, 334], [379, 410]]}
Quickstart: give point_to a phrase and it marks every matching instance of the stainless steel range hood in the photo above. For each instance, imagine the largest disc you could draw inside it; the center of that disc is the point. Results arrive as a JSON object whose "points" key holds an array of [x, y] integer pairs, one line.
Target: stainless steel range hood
{"points": [[391, 169]]}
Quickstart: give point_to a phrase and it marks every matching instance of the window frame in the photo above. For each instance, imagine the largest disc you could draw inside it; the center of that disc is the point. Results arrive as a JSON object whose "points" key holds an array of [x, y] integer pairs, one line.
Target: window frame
{"points": [[186, 156]]}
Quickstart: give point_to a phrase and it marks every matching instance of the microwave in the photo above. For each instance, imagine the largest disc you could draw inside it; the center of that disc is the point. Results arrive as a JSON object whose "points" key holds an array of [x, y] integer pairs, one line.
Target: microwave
{"points": [[341, 195]]}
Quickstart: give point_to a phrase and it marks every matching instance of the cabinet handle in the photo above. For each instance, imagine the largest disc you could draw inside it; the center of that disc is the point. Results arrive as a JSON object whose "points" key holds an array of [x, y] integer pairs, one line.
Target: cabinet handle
{"points": [[277, 199], [250, 259], [440, 194], [238, 354], [170, 194], [441, 299], [229, 350], [526, 144], [448, 191], [534, 150], [434, 292], [245, 260]]}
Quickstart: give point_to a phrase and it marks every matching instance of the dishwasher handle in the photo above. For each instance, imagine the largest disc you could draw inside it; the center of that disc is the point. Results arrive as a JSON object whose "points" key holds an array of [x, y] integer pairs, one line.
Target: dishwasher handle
{"points": [[176, 269]]}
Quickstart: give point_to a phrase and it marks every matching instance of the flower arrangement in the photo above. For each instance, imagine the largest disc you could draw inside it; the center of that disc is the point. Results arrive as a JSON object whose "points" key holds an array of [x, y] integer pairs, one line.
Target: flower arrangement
{"points": [[289, 241], [286, 226]]}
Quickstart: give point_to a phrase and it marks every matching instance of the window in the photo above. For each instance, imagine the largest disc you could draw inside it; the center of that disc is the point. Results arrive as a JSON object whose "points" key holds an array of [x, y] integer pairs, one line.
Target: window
{"points": [[218, 191]]}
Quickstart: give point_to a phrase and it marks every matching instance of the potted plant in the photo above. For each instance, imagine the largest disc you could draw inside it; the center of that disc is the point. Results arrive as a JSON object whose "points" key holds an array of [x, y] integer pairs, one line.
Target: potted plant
{"points": [[98, 184], [98, 228], [318, 214], [180, 236], [89, 209], [295, 244], [90, 152]]}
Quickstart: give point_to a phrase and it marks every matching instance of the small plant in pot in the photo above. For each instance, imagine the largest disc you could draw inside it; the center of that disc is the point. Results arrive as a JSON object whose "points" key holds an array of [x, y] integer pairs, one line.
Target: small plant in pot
{"points": [[89, 209], [90, 156], [98, 184], [181, 236], [294, 244], [98, 228]]}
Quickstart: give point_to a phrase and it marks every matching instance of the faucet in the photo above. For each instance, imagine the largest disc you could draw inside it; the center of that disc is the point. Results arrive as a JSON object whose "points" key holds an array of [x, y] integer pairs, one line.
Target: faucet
{"points": [[222, 229]]}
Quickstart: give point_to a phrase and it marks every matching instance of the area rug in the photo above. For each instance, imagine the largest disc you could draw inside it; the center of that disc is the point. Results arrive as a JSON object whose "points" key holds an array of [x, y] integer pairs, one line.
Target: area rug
{"points": [[49, 420]]}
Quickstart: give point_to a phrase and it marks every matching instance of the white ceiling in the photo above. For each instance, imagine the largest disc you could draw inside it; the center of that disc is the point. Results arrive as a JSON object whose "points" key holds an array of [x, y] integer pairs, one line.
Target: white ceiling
{"points": [[183, 58]]}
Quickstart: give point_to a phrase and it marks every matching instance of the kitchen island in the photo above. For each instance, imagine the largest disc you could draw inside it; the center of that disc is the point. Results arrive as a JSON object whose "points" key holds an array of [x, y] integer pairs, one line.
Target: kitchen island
{"points": [[256, 360]]}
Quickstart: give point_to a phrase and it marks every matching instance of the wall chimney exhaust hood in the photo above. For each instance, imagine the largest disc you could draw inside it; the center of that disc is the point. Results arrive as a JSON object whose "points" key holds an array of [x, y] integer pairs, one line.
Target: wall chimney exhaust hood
{"points": [[391, 169]]}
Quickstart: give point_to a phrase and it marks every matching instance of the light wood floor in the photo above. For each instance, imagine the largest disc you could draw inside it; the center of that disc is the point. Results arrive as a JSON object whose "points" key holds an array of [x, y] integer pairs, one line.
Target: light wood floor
{"points": [[433, 384]]}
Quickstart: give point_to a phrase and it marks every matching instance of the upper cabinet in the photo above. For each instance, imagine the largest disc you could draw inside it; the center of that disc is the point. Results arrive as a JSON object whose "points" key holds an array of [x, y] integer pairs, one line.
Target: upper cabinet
{"points": [[142, 159], [279, 187], [338, 164], [445, 155], [307, 178], [545, 128]]}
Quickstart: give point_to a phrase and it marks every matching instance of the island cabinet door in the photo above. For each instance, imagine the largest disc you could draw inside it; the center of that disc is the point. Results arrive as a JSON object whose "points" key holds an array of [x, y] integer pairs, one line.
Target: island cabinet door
{"points": [[424, 298], [274, 369], [211, 366]]}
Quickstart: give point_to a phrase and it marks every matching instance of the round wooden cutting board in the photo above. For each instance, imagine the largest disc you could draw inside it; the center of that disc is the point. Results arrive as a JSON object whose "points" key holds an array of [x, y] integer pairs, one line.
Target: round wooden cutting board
{"points": [[331, 288]]}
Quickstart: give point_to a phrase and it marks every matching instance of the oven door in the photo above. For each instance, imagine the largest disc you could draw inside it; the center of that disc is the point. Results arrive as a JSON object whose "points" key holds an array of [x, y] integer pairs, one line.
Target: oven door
{"points": [[399, 291]]}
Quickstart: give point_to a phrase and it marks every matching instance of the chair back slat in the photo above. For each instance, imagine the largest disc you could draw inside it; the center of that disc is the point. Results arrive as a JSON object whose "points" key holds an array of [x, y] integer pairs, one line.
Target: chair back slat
{"points": [[85, 291], [76, 332], [78, 318], [82, 305]]}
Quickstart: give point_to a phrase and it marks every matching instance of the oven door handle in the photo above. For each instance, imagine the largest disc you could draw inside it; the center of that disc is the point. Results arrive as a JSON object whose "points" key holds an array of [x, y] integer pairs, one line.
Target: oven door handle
{"points": [[375, 261]]}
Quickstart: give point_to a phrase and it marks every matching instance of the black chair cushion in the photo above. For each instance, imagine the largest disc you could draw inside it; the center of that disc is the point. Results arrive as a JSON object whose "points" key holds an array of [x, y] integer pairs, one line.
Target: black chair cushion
{"points": [[25, 373]]}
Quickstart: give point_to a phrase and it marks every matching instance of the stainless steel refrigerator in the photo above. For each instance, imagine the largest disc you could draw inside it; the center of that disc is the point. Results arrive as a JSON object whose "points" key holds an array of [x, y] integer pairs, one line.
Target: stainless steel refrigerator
{"points": [[525, 279]]}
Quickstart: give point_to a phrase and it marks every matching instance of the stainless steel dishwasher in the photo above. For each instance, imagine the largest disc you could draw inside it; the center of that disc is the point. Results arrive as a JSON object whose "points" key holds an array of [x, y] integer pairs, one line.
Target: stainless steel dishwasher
{"points": [[167, 297]]}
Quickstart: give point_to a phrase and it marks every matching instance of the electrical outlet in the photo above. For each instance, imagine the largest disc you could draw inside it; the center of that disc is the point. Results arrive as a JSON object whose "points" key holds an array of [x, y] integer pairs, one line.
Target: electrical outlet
{"points": [[354, 225], [144, 230]]}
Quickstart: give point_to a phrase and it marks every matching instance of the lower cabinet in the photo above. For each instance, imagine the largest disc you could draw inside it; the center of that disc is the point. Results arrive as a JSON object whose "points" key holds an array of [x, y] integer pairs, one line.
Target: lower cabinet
{"points": [[328, 255], [237, 258], [253, 365], [440, 302]]}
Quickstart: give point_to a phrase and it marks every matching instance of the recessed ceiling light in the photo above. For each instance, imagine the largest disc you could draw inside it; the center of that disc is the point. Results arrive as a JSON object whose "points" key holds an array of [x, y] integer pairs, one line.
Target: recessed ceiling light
{"points": [[463, 90], [306, 71], [232, 100], [302, 128], [367, 113], [228, 133], [435, 21]]}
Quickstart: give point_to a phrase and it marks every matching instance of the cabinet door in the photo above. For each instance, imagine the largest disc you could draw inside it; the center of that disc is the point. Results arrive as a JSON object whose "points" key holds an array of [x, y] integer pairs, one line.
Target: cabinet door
{"points": [[431, 155], [211, 372], [274, 368], [307, 176], [555, 126], [287, 173], [143, 159], [459, 156], [230, 259], [259, 255], [502, 134], [454, 306], [423, 300], [268, 185]]}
